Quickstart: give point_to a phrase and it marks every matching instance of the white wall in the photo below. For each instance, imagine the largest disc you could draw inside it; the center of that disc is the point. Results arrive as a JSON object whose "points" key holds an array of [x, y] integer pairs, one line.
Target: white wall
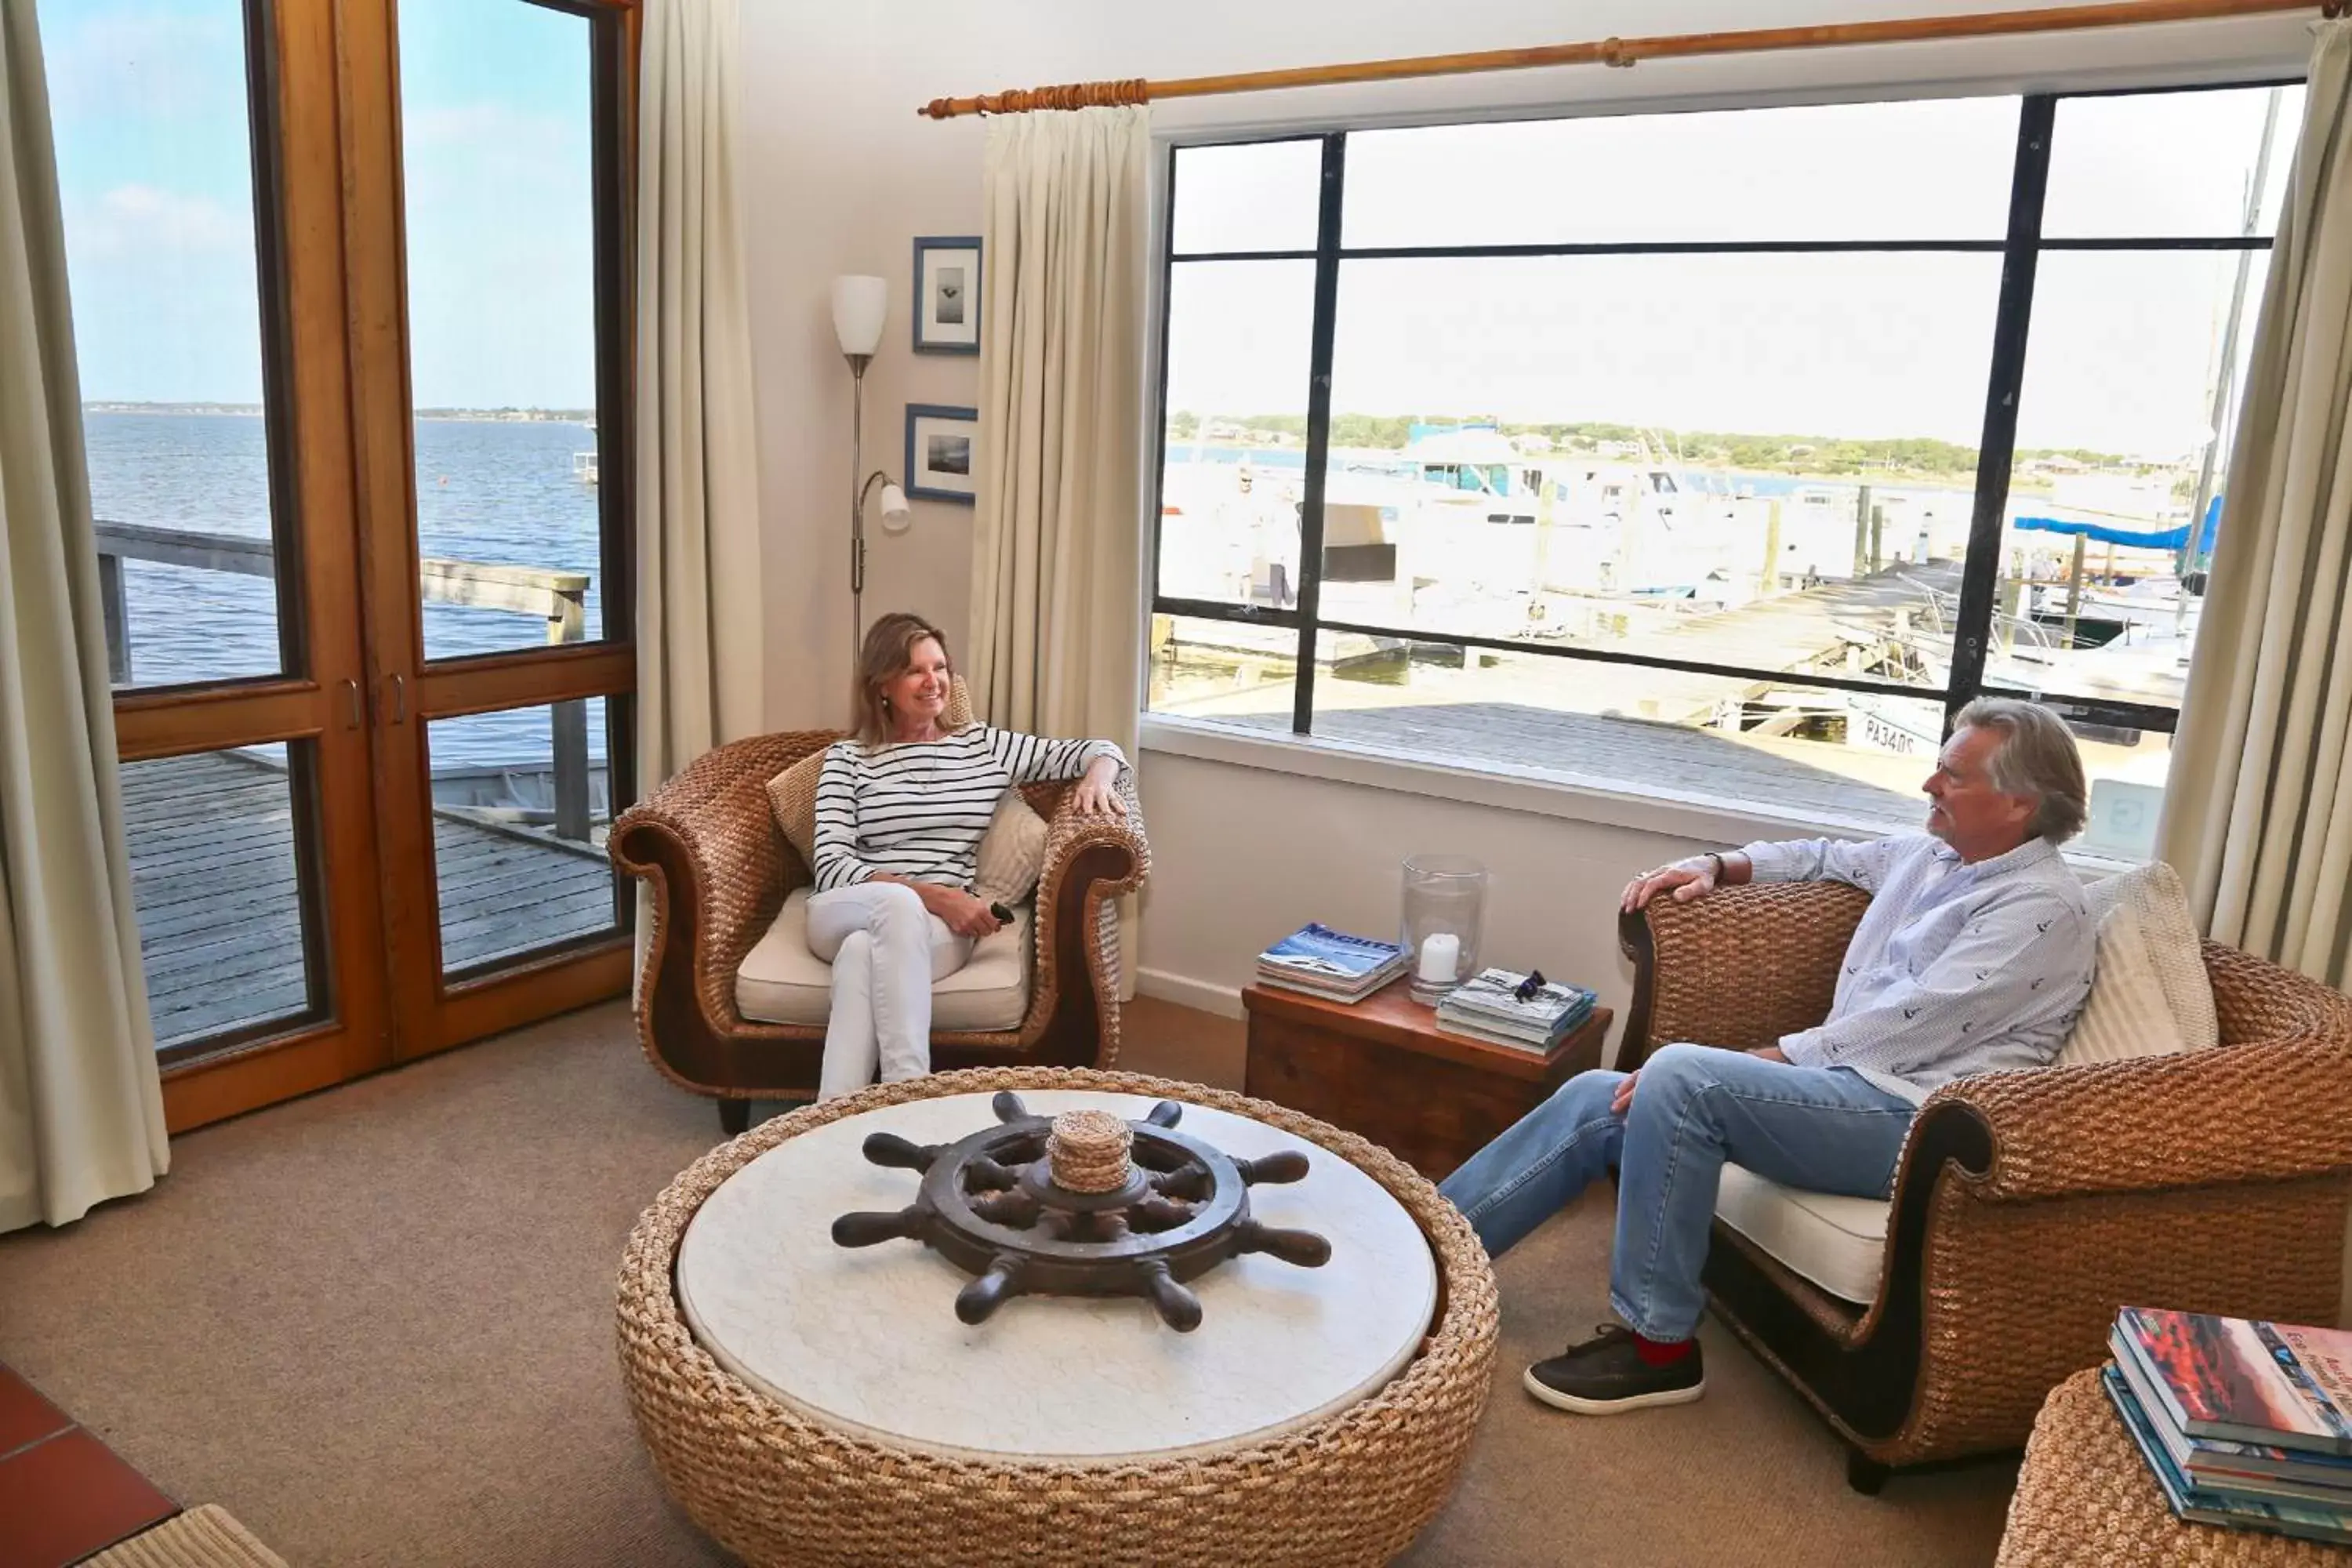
{"points": [[841, 174], [1242, 855]]}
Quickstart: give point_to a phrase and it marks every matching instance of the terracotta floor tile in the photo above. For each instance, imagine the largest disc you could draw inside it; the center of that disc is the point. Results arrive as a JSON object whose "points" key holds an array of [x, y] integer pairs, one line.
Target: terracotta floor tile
{"points": [[68, 1497], [24, 1415]]}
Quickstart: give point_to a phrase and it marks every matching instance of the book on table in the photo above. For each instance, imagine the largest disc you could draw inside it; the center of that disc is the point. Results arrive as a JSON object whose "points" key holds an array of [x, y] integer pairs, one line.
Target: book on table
{"points": [[2306, 1519], [1535, 1047], [1322, 962], [2280, 1385], [1488, 1006], [1474, 1026], [2242, 1422], [2225, 1465]]}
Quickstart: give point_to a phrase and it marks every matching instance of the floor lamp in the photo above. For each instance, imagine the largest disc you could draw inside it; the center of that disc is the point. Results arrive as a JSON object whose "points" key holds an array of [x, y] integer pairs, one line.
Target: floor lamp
{"points": [[859, 305]]}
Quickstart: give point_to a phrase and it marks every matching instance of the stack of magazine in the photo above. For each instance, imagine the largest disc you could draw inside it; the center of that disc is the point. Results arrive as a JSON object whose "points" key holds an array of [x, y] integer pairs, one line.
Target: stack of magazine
{"points": [[1326, 962], [2244, 1424], [1487, 1007]]}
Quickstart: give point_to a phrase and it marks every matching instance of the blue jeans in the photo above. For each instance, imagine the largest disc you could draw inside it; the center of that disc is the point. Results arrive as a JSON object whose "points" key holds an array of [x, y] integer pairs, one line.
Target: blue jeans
{"points": [[1826, 1130]]}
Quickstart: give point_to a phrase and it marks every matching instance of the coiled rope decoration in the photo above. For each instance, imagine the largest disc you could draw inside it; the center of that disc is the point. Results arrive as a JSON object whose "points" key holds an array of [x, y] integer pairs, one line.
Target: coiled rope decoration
{"points": [[1089, 1151]]}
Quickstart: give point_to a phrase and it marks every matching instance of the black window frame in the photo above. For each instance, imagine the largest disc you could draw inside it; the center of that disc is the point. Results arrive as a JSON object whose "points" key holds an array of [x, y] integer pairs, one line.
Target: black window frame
{"points": [[2021, 249]]}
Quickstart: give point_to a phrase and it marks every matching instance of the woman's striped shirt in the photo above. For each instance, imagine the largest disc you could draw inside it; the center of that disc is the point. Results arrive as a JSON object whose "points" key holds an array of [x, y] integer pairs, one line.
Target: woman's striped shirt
{"points": [[918, 810]]}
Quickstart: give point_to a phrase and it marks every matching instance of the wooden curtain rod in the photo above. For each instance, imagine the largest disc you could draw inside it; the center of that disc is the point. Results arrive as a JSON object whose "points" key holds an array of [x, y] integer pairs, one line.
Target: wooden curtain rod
{"points": [[1626, 52]]}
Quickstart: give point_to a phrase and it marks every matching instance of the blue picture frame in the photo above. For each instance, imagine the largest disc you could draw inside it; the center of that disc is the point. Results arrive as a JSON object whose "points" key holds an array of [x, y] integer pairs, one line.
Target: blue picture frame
{"points": [[933, 336], [929, 481]]}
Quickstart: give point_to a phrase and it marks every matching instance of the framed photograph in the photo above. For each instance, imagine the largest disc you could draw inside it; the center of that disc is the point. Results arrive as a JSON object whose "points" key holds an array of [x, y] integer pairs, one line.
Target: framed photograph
{"points": [[947, 296], [940, 446]]}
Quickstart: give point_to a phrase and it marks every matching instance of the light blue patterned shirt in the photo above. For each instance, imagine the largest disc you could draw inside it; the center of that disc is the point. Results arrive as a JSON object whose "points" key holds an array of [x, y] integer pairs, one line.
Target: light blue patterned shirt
{"points": [[1956, 969]]}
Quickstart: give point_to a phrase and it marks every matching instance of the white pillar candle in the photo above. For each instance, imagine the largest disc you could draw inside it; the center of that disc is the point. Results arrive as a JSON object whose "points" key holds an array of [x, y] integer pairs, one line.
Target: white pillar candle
{"points": [[1441, 953]]}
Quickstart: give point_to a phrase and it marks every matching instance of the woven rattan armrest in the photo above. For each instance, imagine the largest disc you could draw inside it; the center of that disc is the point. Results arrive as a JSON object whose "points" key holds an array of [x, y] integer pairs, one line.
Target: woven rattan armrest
{"points": [[1069, 833], [2270, 1107], [1741, 967], [707, 839], [1089, 862]]}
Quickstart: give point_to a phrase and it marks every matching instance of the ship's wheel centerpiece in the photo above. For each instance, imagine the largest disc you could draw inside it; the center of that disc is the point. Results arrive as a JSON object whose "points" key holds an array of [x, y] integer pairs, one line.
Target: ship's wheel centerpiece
{"points": [[1082, 1204]]}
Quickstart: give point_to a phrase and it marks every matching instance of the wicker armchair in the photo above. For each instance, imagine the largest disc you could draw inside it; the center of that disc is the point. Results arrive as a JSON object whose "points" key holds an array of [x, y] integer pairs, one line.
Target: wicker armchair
{"points": [[2028, 1205], [708, 844]]}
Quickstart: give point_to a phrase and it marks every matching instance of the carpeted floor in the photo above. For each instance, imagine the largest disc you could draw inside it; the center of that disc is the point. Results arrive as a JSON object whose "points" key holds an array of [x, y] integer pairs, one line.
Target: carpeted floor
{"points": [[376, 1325]]}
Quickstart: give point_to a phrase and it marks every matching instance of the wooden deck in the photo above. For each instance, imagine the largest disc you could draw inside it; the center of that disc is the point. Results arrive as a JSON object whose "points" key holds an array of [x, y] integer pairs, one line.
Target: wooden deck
{"points": [[1800, 633], [213, 873]]}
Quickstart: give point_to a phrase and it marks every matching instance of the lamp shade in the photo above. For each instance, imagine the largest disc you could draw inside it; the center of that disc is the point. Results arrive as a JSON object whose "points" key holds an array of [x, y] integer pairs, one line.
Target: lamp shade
{"points": [[858, 306], [894, 515]]}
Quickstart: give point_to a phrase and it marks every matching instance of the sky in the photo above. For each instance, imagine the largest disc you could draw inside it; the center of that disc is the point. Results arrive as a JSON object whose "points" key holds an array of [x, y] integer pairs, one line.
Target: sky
{"points": [[2122, 346], [154, 166], [154, 171]]}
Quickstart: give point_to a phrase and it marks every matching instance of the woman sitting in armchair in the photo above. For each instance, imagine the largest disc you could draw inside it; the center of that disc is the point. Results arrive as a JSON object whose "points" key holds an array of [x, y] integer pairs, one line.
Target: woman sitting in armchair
{"points": [[900, 809]]}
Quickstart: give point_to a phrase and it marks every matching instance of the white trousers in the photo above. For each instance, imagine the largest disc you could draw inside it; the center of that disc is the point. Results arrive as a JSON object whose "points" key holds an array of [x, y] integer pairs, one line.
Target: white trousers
{"points": [[885, 950]]}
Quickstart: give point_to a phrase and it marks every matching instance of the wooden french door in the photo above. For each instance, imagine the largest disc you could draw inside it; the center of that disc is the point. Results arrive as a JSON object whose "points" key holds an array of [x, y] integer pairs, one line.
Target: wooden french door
{"points": [[370, 731], [493, 486]]}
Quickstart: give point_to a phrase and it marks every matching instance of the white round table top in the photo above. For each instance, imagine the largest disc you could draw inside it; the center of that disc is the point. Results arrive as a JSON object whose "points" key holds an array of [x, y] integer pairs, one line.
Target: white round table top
{"points": [[868, 1338]]}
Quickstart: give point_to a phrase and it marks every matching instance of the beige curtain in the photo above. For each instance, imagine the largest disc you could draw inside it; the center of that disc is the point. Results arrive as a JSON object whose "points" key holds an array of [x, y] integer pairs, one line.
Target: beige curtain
{"points": [[1056, 627], [82, 1105], [698, 484], [1056, 598], [2258, 817]]}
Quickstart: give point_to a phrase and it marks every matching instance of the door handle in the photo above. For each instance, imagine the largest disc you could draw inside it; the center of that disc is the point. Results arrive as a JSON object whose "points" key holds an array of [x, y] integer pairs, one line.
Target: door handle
{"points": [[352, 692], [399, 700]]}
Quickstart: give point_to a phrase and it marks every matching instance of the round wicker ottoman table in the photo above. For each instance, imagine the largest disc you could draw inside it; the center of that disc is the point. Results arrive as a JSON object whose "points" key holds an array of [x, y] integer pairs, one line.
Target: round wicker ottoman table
{"points": [[813, 1404], [2085, 1499]]}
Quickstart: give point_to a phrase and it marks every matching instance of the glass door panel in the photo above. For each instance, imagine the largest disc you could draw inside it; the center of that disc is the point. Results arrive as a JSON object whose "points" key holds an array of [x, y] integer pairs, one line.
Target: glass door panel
{"points": [[224, 866], [521, 801], [498, 122], [155, 158]]}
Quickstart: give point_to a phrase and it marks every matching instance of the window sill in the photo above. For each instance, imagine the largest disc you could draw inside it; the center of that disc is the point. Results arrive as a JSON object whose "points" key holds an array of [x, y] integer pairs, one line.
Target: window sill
{"points": [[1542, 791]]}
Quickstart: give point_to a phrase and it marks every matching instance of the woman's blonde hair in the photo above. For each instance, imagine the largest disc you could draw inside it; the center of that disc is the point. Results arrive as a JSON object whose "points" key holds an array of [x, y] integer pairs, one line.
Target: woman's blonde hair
{"points": [[889, 653]]}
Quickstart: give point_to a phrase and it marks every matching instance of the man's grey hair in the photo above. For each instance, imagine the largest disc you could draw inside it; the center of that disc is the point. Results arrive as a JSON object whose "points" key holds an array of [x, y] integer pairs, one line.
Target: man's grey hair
{"points": [[2037, 757]]}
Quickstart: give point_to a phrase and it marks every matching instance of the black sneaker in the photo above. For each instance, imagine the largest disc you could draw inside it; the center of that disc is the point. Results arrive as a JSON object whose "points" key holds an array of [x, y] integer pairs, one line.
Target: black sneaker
{"points": [[1606, 1375]]}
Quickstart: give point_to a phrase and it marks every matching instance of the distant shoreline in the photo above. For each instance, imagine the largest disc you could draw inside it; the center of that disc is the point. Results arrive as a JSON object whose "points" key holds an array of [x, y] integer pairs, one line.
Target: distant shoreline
{"points": [[2021, 482], [253, 411]]}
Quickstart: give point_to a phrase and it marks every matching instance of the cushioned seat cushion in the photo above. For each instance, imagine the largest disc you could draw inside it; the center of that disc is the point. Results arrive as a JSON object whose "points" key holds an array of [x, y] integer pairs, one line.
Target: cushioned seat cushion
{"points": [[779, 981], [1837, 1243]]}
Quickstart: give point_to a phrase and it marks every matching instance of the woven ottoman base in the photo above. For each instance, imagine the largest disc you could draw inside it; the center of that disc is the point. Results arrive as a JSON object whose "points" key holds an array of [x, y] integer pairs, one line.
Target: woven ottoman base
{"points": [[775, 1485], [203, 1537]]}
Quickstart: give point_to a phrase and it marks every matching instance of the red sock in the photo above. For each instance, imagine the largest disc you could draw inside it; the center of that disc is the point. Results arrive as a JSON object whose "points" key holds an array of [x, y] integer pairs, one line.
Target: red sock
{"points": [[1662, 1352]]}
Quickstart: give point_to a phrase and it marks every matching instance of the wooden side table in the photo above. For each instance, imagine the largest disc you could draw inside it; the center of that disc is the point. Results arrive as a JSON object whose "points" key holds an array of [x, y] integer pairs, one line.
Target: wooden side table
{"points": [[1382, 1069]]}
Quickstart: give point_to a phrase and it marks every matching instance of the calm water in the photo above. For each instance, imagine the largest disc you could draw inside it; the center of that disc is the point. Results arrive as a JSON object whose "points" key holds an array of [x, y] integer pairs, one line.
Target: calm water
{"points": [[486, 491]]}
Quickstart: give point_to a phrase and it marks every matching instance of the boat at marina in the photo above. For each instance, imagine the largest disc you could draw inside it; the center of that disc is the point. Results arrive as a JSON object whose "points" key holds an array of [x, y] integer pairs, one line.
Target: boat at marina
{"points": [[1466, 533]]}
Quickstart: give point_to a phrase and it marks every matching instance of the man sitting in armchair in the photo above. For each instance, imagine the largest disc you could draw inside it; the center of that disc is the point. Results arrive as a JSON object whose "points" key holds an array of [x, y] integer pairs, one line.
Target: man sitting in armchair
{"points": [[1976, 955]]}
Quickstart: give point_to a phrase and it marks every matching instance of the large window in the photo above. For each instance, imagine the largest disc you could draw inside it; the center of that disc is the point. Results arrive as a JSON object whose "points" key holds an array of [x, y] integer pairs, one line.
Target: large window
{"points": [[1722, 455]]}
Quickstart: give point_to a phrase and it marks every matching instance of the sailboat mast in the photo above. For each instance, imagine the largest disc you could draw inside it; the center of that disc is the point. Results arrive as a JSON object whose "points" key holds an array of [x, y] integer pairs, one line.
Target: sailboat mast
{"points": [[2223, 377]]}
